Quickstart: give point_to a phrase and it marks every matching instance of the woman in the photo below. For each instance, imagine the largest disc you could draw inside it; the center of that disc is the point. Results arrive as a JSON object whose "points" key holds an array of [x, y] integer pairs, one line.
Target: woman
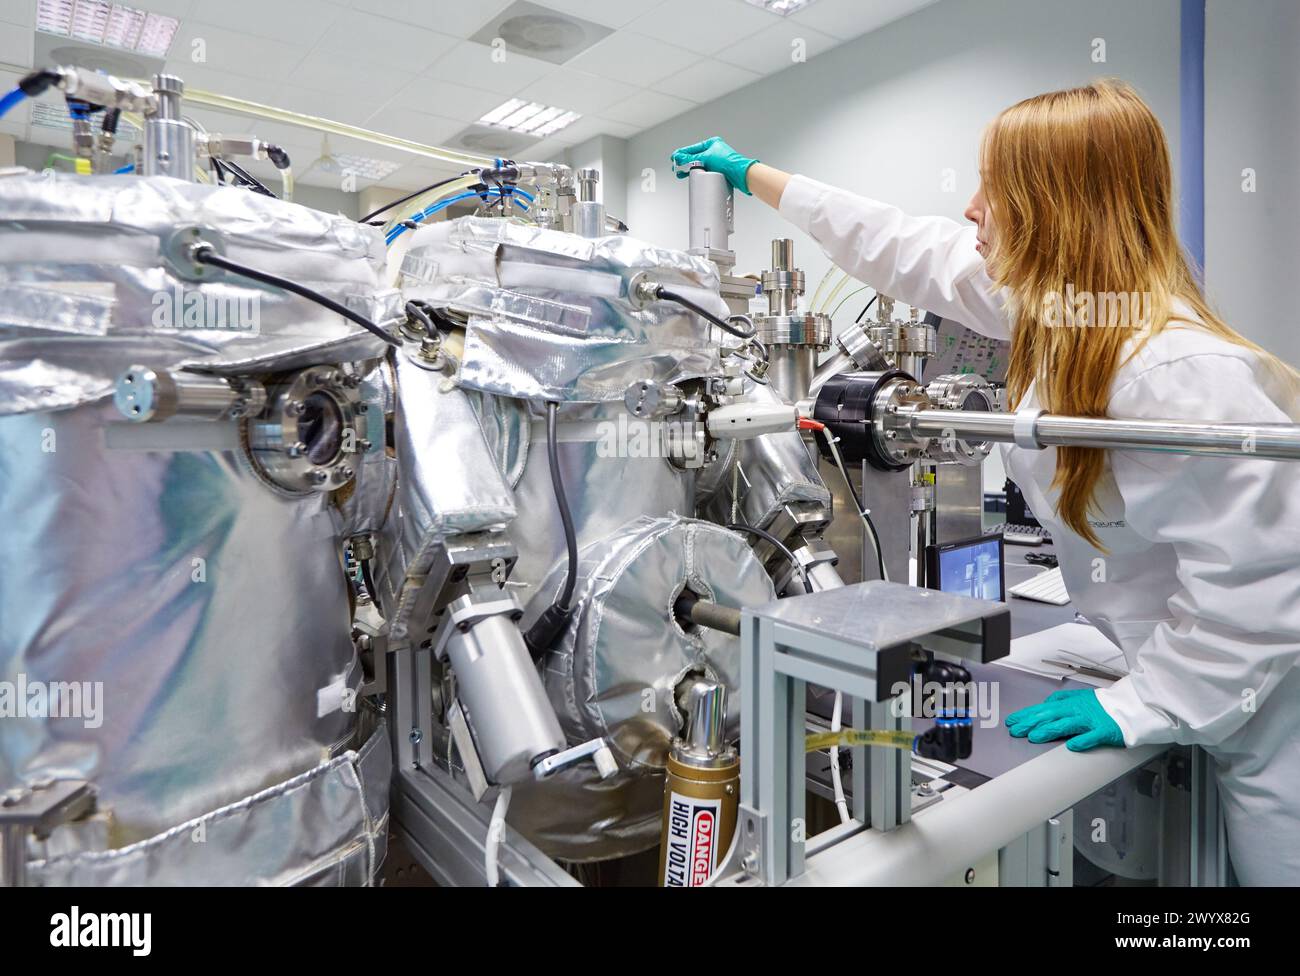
{"points": [[1190, 565]]}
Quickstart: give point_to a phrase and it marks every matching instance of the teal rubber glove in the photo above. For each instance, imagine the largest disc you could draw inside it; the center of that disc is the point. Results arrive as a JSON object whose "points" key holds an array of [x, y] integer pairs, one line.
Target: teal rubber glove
{"points": [[1075, 714], [717, 157]]}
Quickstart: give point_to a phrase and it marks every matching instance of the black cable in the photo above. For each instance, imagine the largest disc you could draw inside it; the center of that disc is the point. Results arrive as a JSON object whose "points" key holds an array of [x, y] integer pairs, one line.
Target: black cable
{"points": [[410, 196], [369, 580], [420, 312], [252, 182], [546, 630], [780, 547], [205, 254], [557, 483], [671, 296], [864, 308], [866, 516]]}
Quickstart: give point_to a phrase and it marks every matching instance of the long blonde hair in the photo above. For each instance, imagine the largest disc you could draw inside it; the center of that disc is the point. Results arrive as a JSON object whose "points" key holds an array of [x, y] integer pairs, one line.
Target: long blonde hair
{"points": [[1080, 189]]}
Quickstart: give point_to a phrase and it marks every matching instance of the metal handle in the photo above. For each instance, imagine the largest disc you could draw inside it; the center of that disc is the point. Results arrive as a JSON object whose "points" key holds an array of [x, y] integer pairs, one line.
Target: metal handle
{"points": [[1279, 442]]}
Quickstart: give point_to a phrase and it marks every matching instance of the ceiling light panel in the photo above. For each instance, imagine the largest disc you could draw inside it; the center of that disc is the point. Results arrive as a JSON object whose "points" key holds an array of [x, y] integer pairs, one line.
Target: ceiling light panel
{"points": [[530, 118], [109, 24], [783, 8]]}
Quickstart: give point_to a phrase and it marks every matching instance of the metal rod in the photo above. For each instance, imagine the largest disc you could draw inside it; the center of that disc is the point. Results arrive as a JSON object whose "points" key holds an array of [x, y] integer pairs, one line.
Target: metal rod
{"points": [[1274, 441], [704, 613]]}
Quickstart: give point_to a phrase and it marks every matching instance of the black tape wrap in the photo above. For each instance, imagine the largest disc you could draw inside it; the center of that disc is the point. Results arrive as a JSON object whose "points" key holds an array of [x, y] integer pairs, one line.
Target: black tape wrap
{"points": [[844, 405]]}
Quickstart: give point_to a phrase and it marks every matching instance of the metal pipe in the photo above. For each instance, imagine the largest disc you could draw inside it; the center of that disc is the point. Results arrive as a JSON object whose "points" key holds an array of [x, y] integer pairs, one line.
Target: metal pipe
{"points": [[1275, 441]]}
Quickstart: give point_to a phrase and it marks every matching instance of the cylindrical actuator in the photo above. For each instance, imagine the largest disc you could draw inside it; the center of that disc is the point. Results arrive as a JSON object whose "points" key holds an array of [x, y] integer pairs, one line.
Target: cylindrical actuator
{"points": [[512, 719], [701, 793]]}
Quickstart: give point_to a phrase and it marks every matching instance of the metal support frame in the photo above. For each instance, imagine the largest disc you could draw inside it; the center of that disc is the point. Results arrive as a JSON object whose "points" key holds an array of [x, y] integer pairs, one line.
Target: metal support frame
{"points": [[861, 640], [442, 823]]}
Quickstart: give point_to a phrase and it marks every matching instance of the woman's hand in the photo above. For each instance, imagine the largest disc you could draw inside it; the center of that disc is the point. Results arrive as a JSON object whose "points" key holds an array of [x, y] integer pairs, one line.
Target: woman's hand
{"points": [[716, 157], [1073, 714], [745, 174]]}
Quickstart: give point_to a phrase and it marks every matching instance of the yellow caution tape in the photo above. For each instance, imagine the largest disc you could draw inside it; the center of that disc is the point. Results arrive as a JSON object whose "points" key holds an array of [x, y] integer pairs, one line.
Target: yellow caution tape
{"points": [[889, 738]]}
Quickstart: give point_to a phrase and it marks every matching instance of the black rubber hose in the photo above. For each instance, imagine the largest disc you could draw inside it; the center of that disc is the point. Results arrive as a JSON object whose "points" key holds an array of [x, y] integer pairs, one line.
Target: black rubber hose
{"points": [[206, 255], [780, 546], [668, 295], [410, 196], [557, 483], [546, 629]]}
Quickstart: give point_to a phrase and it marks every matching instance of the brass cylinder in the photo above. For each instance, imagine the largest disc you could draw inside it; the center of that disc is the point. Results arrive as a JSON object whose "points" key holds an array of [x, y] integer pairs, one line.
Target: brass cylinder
{"points": [[700, 805]]}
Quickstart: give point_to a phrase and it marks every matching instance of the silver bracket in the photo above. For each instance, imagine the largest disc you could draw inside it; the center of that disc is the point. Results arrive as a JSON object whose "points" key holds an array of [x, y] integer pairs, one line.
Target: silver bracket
{"points": [[752, 825], [177, 252], [460, 734]]}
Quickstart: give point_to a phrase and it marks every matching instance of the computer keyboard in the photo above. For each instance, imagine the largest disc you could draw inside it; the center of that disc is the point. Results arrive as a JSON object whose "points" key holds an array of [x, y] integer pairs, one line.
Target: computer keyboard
{"points": [[1048, 587], [1021, 535]]}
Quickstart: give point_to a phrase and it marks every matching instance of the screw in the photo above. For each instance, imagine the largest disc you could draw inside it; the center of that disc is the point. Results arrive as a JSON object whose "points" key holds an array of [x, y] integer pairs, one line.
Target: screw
{"points": [[296, 449], [416, 737]]}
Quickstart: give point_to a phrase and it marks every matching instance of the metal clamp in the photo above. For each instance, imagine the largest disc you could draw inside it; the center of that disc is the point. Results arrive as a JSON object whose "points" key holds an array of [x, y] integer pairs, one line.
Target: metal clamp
{"points": [[465, 612], [1024, 432]]}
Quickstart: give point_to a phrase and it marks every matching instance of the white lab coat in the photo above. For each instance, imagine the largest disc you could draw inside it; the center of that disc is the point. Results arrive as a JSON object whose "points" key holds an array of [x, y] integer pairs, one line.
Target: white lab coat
{"points": [[1201, 584]]}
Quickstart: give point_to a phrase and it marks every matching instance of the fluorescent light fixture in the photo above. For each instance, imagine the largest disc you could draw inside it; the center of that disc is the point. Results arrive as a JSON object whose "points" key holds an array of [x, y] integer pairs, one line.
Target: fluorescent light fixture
{"points": [[108, 24], [783, 8], [530, 118], [365, 167]]}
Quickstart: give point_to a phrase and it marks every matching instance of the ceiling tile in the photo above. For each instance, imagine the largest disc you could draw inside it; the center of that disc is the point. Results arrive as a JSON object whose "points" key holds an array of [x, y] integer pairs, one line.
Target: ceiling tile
{"points": [[374, 39], [705, 28], [772, 49], [633, 58], [299, 22], [453, 18], [401, 121], [16, 45], [611, 13], [706, 81], [225, 50], [847, 19], [22, 14], [577, 91], [437, 96], [616, 127], [327, 71], [647, 108], [475, 65]]}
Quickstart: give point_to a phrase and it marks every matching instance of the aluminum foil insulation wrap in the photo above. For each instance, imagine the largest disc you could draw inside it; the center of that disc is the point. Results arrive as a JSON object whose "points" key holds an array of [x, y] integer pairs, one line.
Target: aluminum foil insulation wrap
{"points": [[194, 622], [775, 470], [448, 485], [86, 288], [548, 312], [616, 669]]}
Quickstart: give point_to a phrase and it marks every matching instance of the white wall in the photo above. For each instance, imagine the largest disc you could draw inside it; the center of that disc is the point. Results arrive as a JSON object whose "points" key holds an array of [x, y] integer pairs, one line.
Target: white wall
{"points": [[1252, 121], [888, 113]]}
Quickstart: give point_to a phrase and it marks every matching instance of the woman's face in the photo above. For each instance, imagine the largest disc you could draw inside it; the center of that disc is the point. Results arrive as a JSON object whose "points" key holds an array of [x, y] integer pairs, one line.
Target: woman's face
{"points": [[977, 212]]}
